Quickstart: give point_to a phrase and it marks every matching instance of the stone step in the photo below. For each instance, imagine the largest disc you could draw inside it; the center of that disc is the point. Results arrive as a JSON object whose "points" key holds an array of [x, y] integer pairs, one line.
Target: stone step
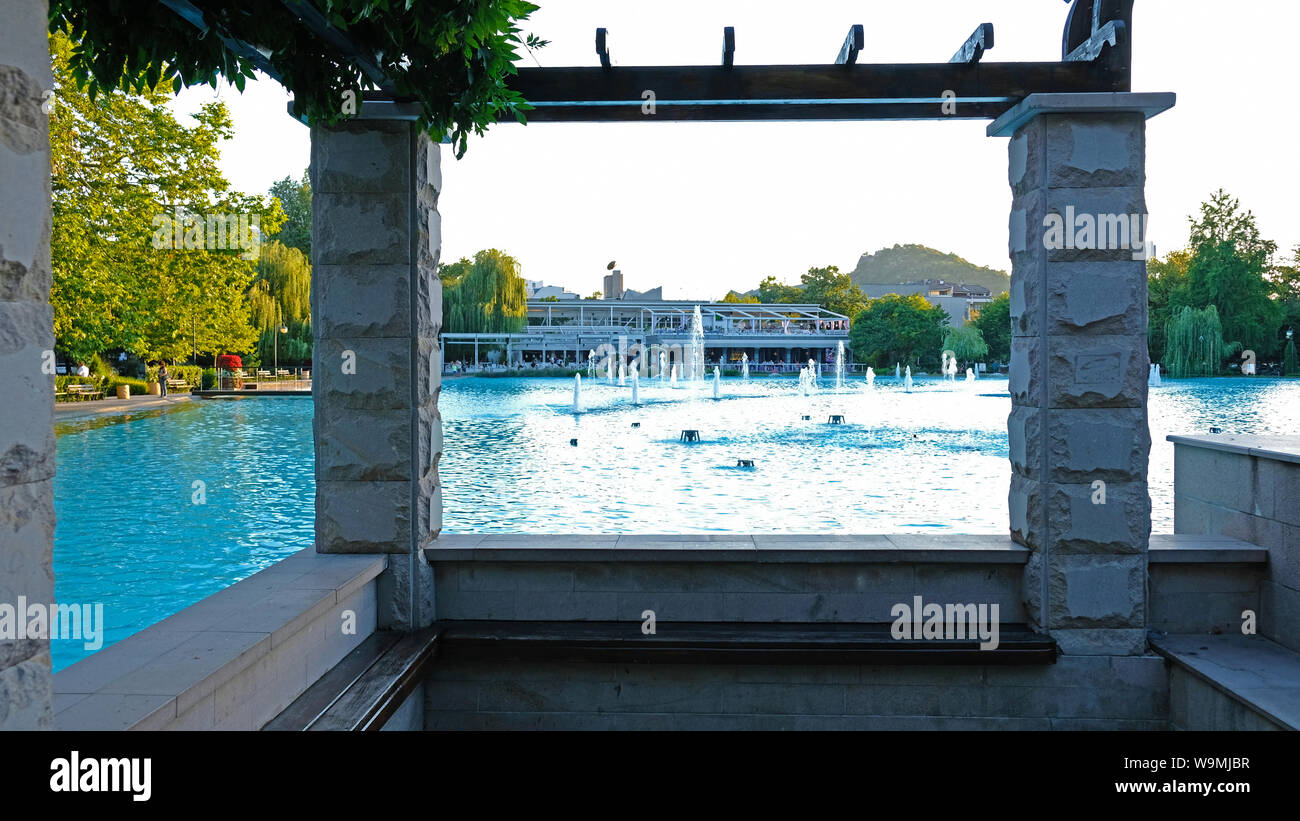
{"points": [[1194, 548], [1231, 682]]}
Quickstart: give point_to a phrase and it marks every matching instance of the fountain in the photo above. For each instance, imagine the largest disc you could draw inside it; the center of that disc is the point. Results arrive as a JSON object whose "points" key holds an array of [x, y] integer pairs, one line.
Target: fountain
{"points": [[663, 365], [591, 364], [622, 372], [695, 362], [812, 374], [803, 381], [1153, 378], [577, 392], [839, 366], [898, 372], [907, 380], [744, 366], [871, 377], [717, 382], [610, 368], [970, 376], [673, 376], [636, 385]]}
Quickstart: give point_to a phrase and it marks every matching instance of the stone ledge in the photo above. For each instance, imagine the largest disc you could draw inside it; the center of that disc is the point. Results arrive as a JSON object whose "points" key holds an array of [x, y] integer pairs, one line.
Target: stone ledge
{"points": [[1147, 103], [1252, 670], [1188, 548], [1277, 448], [812, 548], [149, 679]]}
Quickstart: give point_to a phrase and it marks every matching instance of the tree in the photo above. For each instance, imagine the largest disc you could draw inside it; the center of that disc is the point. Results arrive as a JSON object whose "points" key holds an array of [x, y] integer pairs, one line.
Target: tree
{"points": [[143, 256], [486, 295], [1167, 293], [771, 291], [281, 297], [967, 344], [994, 324], [1227, 270], [1194, 343], [832, 290], [295, 199], [452, 57], [903, 329], [734, 297]]}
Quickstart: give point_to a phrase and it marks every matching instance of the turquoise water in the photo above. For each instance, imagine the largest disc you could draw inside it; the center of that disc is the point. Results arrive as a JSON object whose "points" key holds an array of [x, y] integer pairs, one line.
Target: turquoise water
{"points": [[130, 536], [129, 533]]}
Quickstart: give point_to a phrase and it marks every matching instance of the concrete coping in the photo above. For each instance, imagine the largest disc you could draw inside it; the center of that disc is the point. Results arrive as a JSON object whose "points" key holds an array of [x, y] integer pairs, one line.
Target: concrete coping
{"points": [[1192, 548], [150, 678], [1147, 103], [1276, 447], [778, 548], [1252, 670]]}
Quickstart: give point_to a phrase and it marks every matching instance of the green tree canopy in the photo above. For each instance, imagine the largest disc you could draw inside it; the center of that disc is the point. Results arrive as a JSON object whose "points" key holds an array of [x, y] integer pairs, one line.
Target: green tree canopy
{"points": [[736, 297], [966, 343], [295, 199], [1167, 294], [769, 291], [486, 295], [1194, 343], [903, 329], [451, 56], [994, 324], [832, 290], [143, 254], [1229, 260]]}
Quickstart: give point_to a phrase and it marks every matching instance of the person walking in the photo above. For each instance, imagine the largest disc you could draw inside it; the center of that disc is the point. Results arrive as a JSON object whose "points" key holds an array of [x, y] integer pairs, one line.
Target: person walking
{"points": [[162, 377]]}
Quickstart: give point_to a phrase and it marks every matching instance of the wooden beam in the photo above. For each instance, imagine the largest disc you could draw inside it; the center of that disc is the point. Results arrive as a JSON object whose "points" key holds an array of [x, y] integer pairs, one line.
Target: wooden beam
{"points": [[317, 24], [602, 47], [808, 92], [194, 16], [852, 47], [973, 49], [1090, 49], [728, 45]]}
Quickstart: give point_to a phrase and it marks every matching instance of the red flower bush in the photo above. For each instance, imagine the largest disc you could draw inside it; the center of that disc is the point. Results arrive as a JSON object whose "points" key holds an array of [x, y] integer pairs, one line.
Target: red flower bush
{"points": [[229, 361]]}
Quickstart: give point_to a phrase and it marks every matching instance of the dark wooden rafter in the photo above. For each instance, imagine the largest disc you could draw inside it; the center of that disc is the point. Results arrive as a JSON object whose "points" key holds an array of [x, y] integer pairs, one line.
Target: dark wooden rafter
{"points": [[729, 45], [852, 47], [1099, 28], [602, 47], [193, 15], [315, 21], [973, 49]]}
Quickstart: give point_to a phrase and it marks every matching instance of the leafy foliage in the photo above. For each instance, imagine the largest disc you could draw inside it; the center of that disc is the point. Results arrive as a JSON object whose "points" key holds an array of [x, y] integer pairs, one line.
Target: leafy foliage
{"points": [[903, 329], [486, 295], [119, 163], [734, 297], [966, 343], [295, 200], [994, 324], [451, 56]]}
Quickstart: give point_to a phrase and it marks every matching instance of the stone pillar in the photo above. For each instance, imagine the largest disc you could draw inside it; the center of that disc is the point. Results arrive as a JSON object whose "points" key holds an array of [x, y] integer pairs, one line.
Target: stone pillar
{"points": [[1078, 431], [376, 314], [26, 359]]}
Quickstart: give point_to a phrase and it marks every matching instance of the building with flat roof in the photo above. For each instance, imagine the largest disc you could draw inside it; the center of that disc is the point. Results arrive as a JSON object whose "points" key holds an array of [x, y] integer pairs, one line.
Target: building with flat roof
{"points": [[770, 335]]}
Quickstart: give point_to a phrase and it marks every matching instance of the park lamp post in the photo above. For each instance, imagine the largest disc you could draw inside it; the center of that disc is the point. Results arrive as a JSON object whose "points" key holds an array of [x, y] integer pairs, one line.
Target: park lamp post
{"points": [[280, 329]]}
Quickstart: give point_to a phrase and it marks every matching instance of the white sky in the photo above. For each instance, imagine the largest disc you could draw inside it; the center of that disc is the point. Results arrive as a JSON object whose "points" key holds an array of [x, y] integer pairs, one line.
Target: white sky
{"points": [[703, 207]]}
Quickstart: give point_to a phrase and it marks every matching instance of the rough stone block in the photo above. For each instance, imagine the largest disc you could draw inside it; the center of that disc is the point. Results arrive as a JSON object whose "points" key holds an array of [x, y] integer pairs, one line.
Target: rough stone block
{"points": [[362, 445], [1093, 150], [381, 377], [361, 301], [26, 533], [361, 156], [363, 517], [1091, 591], [27, 436], [360, 229], [25, 695], [25, 214], [394, 594], [1101, 642], [1082, 298], [1081, 446], [1100, 371]]}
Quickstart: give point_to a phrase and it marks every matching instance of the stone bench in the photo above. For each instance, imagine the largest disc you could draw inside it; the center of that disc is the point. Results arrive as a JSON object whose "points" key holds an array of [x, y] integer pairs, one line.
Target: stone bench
{"points": [[1230, 682]]}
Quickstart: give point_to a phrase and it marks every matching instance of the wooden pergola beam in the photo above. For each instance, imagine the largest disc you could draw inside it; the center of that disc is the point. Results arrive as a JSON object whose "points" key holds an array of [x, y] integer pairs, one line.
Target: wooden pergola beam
{"points": [[903, 91], [728, 45], [973, 49], [602, 47], [317, 24], [852, 47]]}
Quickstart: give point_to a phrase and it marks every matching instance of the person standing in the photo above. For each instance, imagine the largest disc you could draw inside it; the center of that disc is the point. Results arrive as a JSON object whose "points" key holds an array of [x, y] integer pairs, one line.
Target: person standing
{"points": [[162, 377]]}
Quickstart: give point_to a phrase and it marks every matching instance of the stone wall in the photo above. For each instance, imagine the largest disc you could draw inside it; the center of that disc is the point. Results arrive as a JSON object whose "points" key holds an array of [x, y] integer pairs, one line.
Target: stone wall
{"points": [[1078, 376], [26, 345], [1247, 487], [377, 312]]}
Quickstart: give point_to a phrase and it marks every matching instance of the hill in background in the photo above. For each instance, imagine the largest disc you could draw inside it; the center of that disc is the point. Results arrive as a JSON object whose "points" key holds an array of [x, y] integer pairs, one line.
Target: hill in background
{"points": [[911, 263]]}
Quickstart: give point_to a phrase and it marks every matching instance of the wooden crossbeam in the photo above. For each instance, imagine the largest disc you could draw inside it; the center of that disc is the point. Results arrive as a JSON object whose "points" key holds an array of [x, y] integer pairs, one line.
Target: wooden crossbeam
{"points": [[728, 45], [1090, 49], [973, 49], [315, 21], [602, 47], [852, 47], [194, 16], [799, 92]]}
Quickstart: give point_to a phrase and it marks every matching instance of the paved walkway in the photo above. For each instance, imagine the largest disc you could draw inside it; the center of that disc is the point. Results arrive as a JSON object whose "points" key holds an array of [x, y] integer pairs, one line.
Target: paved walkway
{"points": [[66, 411]]}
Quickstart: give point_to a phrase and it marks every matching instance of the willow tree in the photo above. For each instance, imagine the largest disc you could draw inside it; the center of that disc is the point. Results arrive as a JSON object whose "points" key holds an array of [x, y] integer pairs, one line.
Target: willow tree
{"points": [[486, 295], [280, 296], [1194, 343]]}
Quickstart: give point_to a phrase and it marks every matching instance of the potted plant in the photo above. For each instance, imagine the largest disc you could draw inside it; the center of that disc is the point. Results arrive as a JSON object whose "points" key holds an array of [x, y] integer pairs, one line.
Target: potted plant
{"points": [[230, 370]]}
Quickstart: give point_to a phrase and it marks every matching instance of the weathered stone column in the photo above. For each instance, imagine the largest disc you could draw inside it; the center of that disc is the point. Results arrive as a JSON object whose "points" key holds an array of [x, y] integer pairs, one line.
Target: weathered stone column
{"points": [[376, 314], [1078, 431], [26, 360]]}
